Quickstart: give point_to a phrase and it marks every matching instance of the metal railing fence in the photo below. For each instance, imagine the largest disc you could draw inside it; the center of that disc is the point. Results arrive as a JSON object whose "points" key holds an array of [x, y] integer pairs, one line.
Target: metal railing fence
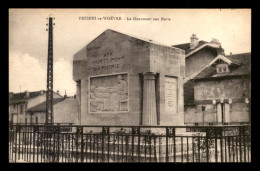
{"points": [[73, 143]]}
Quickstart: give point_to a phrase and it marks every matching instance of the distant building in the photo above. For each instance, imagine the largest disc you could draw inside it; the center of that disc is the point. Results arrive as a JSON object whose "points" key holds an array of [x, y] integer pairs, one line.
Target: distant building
{"points": [[198, 54], [65, 110], [20, 102], [222, 92]]}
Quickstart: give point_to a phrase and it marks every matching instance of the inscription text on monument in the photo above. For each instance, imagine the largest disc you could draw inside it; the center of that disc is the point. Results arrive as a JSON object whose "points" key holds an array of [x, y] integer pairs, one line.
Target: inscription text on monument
{"points": [[170, 95], [107, 62]]}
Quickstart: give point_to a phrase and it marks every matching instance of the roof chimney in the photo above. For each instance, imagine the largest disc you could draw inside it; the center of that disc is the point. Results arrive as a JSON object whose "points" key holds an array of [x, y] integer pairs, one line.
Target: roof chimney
{"points": [[194, 41], [65, 96], [215, 41], [58, 92], [27, 94], [42, 91]]}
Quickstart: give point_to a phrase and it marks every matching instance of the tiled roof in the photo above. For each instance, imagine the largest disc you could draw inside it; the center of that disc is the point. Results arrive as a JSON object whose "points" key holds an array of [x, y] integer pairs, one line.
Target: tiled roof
{"points": [[207, 72], [244, 68], [242, 58], [42, 106], [186, 46], [21, 97]]}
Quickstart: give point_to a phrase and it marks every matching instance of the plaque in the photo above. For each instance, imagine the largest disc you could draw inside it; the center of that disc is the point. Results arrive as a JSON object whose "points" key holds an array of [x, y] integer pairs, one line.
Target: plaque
{"points": [[170, 95]]}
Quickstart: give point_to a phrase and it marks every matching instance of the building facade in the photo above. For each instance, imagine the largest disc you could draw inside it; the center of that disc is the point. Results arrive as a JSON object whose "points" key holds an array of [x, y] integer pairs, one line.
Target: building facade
{"points": [[19, 103], [222, 92], [65, 111], [198, 53]]}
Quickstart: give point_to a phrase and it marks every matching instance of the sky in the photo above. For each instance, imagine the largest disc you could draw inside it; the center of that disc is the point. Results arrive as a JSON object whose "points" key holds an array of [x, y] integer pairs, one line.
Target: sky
{"points": [[28, 38]]}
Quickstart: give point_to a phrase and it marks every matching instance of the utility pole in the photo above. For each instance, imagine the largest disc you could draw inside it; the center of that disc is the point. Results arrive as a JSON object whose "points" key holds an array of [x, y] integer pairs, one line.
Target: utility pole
{"points": [[49, 94]]}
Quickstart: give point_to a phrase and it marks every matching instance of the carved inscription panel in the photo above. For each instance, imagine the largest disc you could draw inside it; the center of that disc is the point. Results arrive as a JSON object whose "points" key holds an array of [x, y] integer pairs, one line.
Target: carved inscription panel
{"points": [[109, 93], [170, 95], [107, 62]]}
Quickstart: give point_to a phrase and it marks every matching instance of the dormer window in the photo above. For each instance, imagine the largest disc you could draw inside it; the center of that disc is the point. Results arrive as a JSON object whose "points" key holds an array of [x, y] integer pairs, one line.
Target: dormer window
{"points": [[222, 68]]}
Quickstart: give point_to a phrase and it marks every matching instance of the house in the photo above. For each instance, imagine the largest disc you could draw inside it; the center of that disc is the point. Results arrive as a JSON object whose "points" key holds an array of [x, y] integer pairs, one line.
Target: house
{"points": [[222, 92], [20, 102], [198, 54], [65, 110]]}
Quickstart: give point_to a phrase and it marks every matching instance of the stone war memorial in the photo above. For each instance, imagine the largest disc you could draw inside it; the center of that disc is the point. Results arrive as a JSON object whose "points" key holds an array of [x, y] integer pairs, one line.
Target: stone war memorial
{"points": [[124, 80]]}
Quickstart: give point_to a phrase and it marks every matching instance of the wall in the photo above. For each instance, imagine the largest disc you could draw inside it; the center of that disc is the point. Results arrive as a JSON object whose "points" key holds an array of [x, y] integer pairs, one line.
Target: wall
{"points": [[194, 114], [63, 112], [39, 99], [170, 63], [66, 111], [204, 91], [199, 60], [31, 103], [92, 61], [15, 110], [239, 113], [40, 115], [234, 88]]}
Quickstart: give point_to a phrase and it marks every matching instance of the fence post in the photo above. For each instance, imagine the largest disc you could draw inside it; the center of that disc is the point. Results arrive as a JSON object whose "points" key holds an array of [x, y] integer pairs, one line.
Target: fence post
{"points": [[221, 143], [19, 130], [77, 142], [167, 134], [244, 143], [172, 133], [240, 150], [135, 130], [206, 141], [139, 151], [105, 130], [16, 130], [155, 156], [37, 142], [82, 144]]}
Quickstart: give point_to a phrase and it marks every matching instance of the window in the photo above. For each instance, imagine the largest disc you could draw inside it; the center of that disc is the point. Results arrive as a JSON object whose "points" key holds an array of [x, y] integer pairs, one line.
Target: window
{"points": [[25, 120], [36, 119], [222, 68], [13, 106]]}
